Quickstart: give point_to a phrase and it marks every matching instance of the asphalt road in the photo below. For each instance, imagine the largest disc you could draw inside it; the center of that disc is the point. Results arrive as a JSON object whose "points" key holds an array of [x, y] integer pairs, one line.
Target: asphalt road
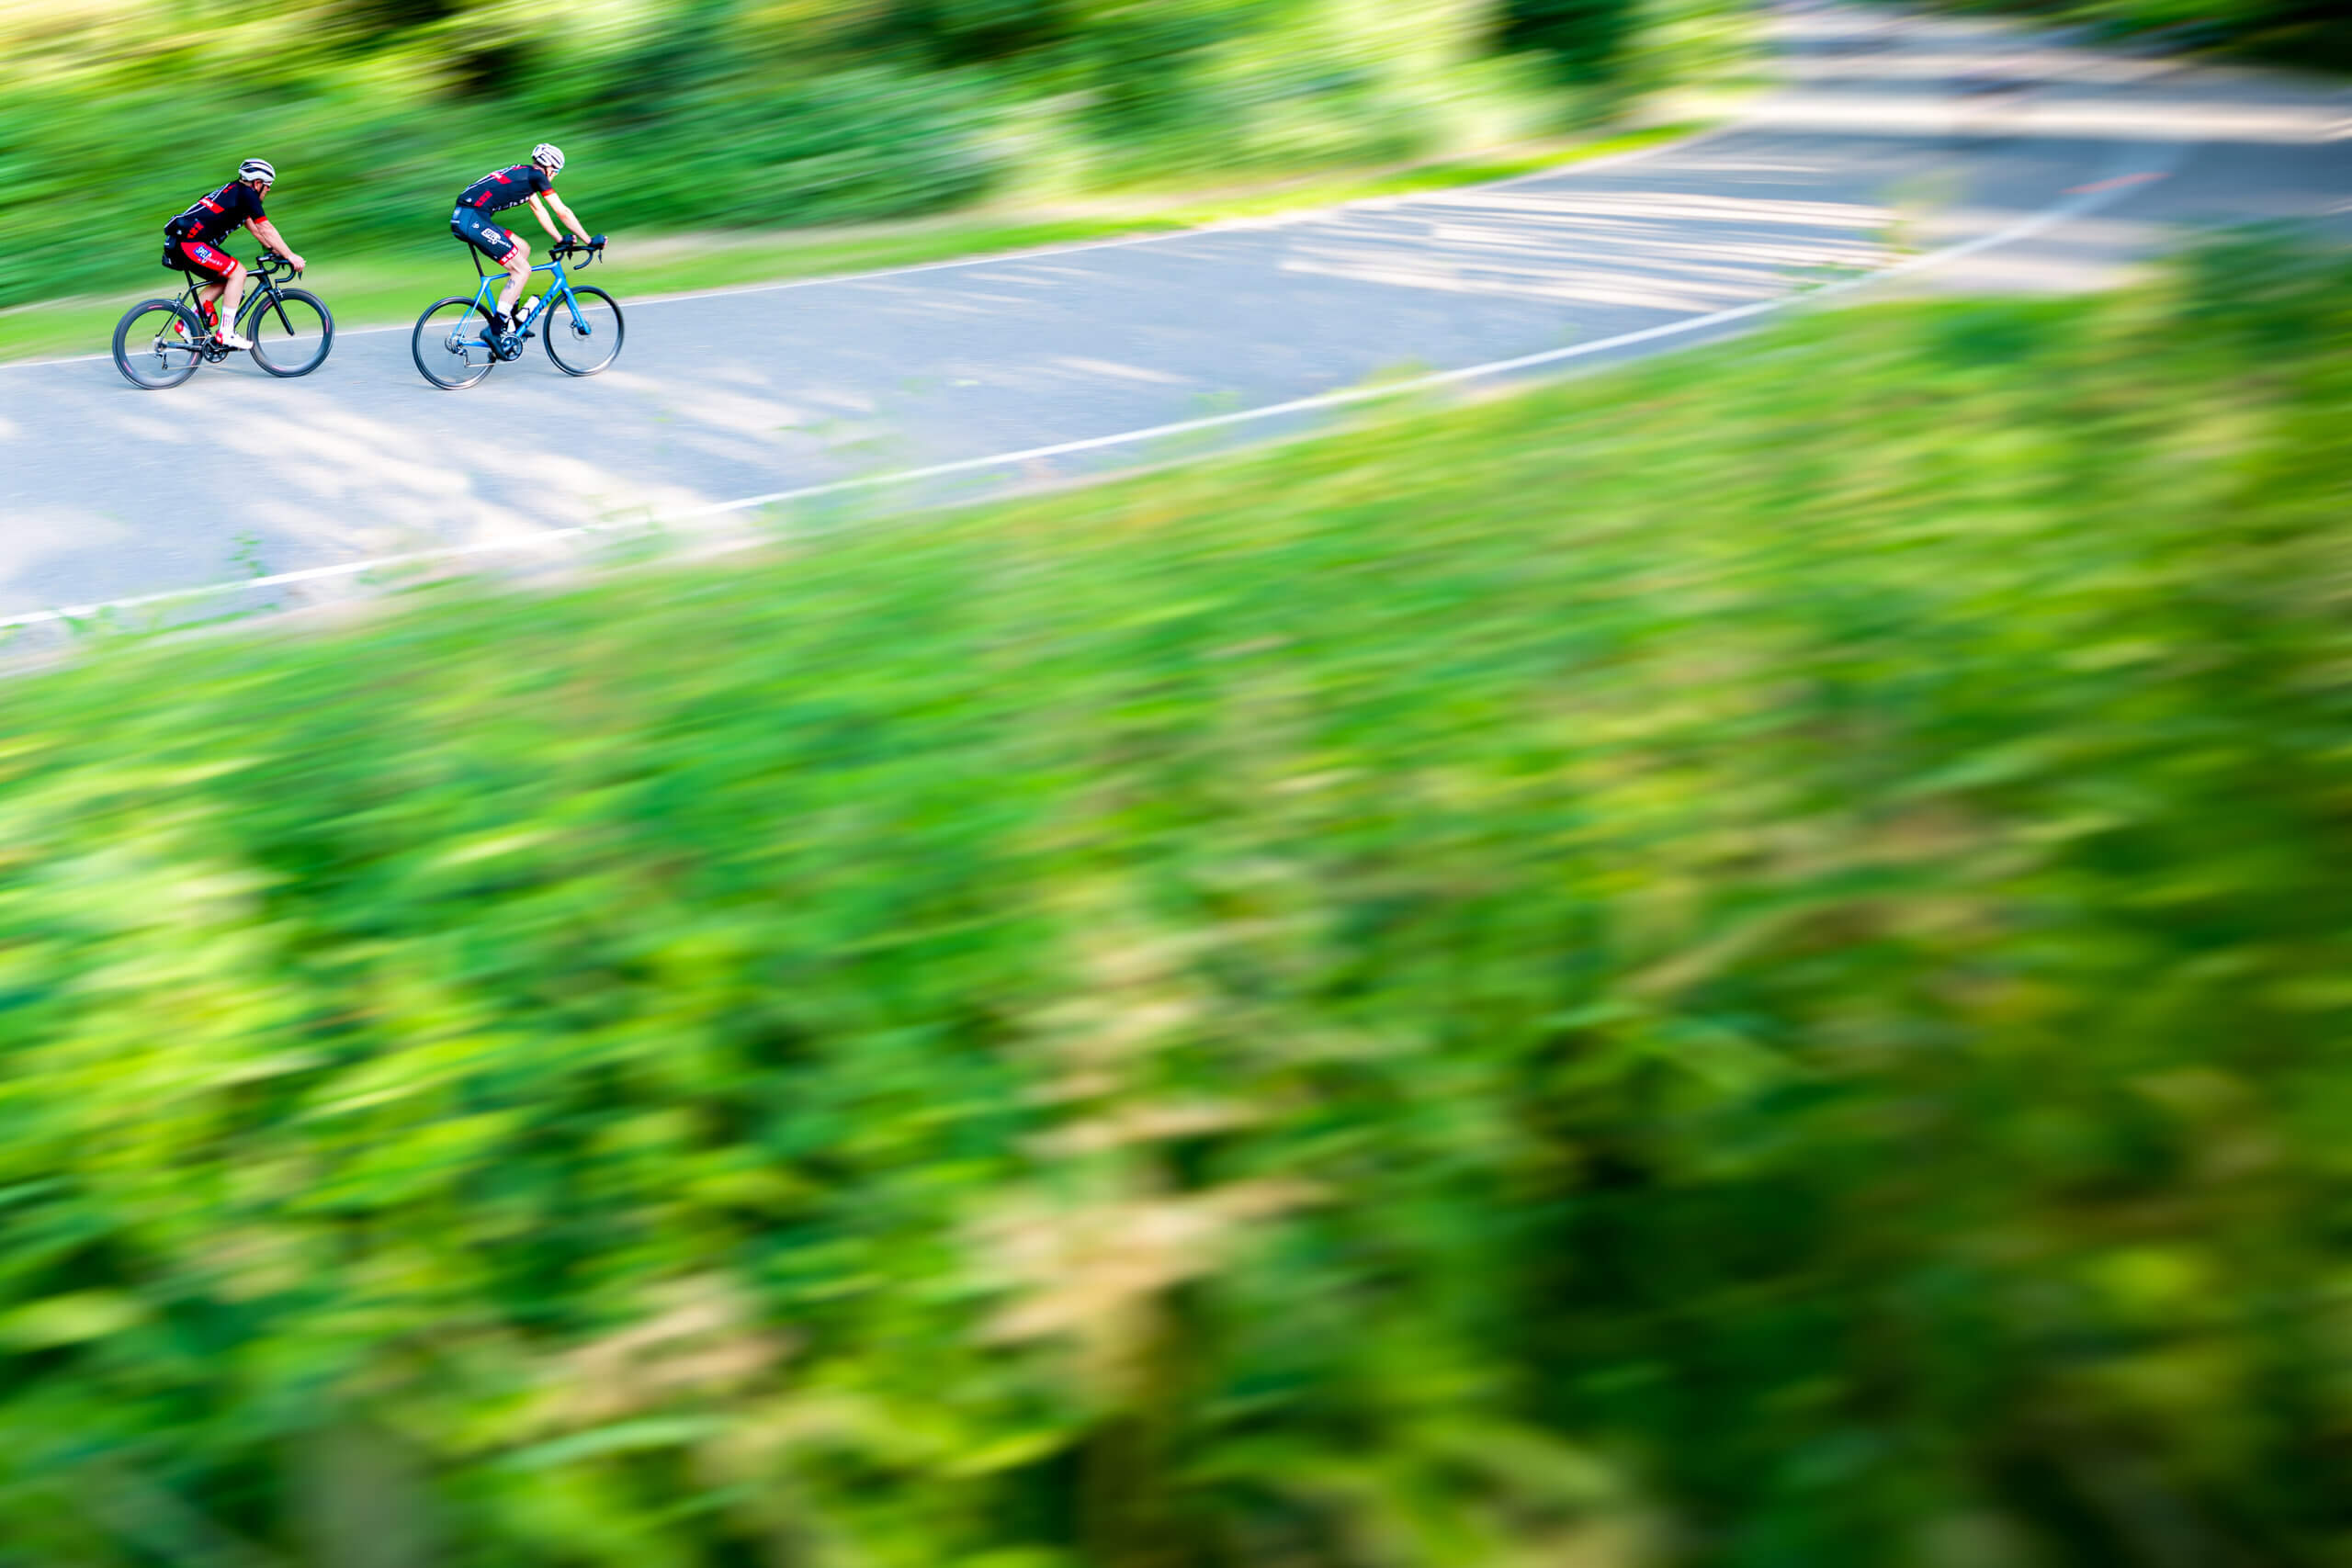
{"points": [[2015, 160]]}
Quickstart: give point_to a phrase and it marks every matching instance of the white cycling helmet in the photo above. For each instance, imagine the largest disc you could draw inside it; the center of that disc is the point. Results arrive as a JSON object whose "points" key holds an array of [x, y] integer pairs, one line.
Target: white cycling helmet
{"points": [[257, 169], [548, 156]]}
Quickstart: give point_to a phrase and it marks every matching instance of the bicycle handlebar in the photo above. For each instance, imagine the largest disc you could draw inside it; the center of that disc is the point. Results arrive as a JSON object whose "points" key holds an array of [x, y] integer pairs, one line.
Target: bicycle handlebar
{"points": [[593, 250]]}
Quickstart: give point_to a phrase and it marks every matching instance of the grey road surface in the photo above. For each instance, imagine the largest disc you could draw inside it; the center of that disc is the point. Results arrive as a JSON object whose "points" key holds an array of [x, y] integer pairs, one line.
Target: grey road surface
{"points": [[2045, 164]]}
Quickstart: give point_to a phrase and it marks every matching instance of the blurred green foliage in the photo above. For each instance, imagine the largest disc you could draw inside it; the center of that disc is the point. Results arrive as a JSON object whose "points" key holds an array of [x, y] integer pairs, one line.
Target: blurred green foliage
{"points": [[702, 114], [2312, 33], [1742, 963]]}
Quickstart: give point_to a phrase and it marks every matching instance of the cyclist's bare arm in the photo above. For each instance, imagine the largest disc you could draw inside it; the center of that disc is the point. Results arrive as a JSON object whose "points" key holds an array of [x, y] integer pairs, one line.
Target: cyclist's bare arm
{"points": [[538, 206], [267, 232], [568, 216]]}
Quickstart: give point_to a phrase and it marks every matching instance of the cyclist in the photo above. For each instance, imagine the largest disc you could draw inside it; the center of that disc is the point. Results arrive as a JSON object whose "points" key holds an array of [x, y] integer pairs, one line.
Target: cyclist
{"points": [[534, 183], [192, 243]]}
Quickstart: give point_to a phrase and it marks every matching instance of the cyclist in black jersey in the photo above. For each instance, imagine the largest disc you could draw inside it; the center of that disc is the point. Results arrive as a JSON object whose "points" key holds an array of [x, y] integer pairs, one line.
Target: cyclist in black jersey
{"points": [[533, 183], [192, 241]]}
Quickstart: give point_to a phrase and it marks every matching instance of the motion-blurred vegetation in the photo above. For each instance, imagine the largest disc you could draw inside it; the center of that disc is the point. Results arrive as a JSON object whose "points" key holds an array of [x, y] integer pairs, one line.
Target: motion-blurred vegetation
{"points": [[2298, 32], [1744, 963], [699, 114]]}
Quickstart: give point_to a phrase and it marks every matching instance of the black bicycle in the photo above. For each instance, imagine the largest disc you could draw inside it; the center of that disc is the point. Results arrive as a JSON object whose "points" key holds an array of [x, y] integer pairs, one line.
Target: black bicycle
{"points": [[161, 342], [454, 347]]}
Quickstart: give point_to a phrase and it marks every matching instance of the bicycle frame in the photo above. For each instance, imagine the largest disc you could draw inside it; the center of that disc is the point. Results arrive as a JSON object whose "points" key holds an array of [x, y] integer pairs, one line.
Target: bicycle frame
{"points": [[561, 288], [261, 290]]}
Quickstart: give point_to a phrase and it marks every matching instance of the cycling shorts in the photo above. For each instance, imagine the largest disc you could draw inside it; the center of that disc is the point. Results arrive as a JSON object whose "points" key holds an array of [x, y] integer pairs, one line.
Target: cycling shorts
{"points": [[479, 232], [195, 255]]}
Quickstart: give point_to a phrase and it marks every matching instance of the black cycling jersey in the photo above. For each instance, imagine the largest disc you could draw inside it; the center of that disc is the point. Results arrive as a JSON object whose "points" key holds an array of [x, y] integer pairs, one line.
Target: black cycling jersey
{"points": [[495, 192], [216, 217]]}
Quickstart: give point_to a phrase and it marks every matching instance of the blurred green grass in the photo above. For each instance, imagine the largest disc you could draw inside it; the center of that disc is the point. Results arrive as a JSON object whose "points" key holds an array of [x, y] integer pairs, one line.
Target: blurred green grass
{"points": [[1740, 962], [387, 284]]}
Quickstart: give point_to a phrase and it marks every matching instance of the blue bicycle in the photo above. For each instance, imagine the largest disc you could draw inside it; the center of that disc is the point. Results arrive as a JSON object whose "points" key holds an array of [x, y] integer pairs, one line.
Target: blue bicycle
{"points": [[581, 326]]}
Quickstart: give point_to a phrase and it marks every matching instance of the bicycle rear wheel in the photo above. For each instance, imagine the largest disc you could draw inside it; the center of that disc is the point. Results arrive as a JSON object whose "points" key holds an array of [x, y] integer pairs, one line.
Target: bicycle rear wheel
{"points": [[292, 333], [585, 337], [155, 344], [451, 343]]}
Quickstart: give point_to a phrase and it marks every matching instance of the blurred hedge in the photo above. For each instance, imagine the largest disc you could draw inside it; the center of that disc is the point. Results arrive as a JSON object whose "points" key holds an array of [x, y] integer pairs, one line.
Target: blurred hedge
{"points": [[1742, 962], [701, 113]]}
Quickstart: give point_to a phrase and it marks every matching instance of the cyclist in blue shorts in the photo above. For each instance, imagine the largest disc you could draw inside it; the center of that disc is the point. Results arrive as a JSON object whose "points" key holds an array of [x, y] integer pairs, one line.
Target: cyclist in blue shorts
{"points": [[533, 183]]}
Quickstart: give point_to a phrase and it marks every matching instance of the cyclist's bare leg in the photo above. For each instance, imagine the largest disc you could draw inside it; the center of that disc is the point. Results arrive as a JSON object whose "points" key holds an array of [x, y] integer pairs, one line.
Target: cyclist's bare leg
{"points": [[228, 291], [518, 273]]}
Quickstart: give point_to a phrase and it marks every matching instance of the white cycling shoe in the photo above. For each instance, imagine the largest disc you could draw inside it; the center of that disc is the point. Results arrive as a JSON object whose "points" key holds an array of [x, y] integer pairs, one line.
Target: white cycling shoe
{"points": [[230, 340]]}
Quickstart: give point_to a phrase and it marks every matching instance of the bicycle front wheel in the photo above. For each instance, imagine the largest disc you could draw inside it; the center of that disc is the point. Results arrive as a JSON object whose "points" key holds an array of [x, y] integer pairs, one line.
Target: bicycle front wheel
{"points": [[451, 343], [585, 336], [156, 345], [292, 334]]}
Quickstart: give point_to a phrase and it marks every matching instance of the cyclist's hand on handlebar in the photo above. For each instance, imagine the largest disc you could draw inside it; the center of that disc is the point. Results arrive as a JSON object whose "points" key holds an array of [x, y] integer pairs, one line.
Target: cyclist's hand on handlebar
{"points": [[295, 262]]}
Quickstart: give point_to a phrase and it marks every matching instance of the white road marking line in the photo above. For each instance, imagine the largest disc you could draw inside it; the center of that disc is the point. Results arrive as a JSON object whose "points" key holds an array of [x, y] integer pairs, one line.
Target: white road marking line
{"points": [[2089, 200]]}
